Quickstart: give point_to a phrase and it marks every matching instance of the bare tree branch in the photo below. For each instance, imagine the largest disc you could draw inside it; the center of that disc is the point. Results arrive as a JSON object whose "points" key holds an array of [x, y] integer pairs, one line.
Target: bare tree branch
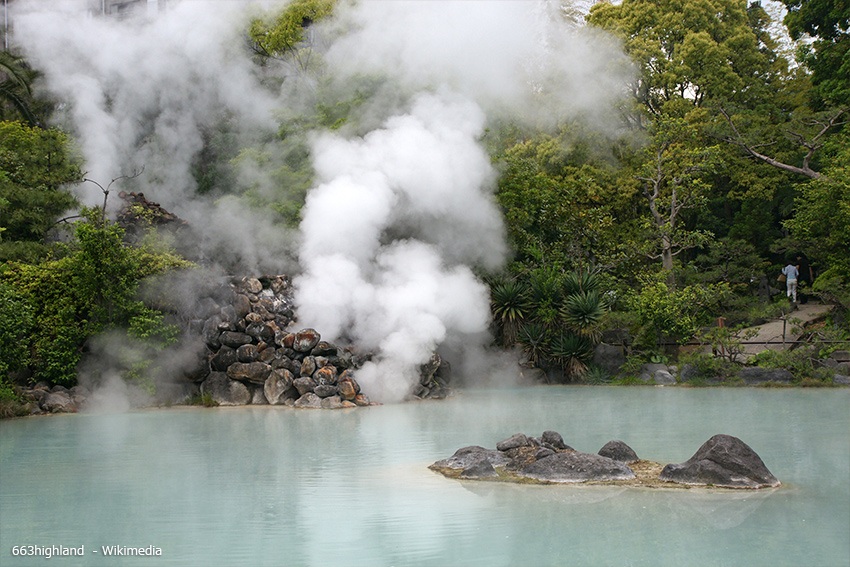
{"points": [[811, 145]]}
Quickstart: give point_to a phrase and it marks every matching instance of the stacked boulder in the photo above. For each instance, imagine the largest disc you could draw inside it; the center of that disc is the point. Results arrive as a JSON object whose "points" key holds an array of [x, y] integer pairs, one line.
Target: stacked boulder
{"points": [[252, 359]]}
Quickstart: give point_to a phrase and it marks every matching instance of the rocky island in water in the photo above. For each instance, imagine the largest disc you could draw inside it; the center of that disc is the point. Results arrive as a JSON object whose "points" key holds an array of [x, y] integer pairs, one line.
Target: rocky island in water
{"points": [[723, 461]]}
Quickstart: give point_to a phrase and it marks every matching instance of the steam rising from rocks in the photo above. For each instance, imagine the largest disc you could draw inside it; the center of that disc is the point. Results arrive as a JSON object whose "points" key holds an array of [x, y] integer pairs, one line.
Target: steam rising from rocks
{"points": [[402, 210]]}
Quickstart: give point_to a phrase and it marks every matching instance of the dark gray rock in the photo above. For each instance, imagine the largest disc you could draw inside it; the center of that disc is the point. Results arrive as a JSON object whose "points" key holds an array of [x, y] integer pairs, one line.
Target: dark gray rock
{"points": [[241, 305], [325, 390], [308, 366], [260, 332], [324, 348], [664, 377], [649, 371], [224, 391], [258, 396], [223, 358], [304, 385], [841, 380], [480, 468], [574, 466], [840, 356], [246, 353], [618, 451], [755, 375], [58, 401], [514, 441], [466, 457], [724, 461], [553, 439], [234, 339], [326, 375], [348, 387], [254, 372], [609, 357]]}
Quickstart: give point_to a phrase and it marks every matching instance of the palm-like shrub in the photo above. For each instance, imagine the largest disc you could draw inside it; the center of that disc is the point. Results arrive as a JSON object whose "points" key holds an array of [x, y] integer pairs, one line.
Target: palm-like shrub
{"points": [[583, 312], [533, 337], [545, 285], [509, 302], [579, 282], [572, 352]]}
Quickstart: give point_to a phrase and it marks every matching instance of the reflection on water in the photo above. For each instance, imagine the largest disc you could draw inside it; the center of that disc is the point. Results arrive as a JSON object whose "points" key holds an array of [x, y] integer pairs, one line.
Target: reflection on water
{"points": [[275, 486]]}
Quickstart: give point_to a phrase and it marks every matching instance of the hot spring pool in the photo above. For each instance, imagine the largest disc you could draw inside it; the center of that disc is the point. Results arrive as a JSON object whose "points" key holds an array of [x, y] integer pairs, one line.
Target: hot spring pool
{"points": [[276, 486]]}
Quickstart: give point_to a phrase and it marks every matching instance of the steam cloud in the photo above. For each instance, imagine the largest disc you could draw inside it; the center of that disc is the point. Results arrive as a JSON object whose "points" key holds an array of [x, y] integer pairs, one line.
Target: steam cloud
{"points": [[402, 209]]}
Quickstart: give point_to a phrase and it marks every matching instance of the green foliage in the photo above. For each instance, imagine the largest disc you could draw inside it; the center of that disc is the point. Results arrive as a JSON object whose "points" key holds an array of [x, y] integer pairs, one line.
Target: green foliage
{"points": [[17, 318], [673, 314], [822, 222], [203, 399], [685, 49], [596, 375], [561, 315], [89, 291], [284, 34], [16, 98], [704, 369], [34, 165], [727, 342], [571, 352], [510, 305], [829, 22], [534, 340], [800, 362], [558, 212], [583, 312]]}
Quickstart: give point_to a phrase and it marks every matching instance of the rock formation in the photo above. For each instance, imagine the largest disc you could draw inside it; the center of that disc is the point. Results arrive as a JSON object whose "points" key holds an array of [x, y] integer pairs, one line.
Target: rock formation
{"points": [[723, 461]]}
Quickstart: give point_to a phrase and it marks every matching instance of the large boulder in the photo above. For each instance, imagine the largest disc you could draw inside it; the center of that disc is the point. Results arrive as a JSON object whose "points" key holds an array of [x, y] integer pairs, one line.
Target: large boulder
{"points": [[513, 442], [224, 391], [468, 457], [609, 357], [277, 385], [575, 466], [723, 461], [58, 401], [619, 451], [254, 372]]}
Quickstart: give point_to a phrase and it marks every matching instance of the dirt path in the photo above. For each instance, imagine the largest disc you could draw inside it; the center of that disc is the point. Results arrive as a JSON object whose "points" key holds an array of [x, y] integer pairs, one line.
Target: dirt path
{"points": [[779, 334]]}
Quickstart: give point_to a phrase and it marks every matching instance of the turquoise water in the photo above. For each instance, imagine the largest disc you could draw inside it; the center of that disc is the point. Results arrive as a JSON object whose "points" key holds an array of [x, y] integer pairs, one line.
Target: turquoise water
{"points": [[276, 486]]}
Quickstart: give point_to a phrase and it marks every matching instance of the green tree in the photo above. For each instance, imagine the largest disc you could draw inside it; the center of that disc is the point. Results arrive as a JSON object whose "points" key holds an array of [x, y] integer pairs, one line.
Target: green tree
{"points": [[821, 222], [673, 171], [700, 50], [828, 58], [35, 164], [93, 288], [560, 203], [16, 97], [285, 35]]}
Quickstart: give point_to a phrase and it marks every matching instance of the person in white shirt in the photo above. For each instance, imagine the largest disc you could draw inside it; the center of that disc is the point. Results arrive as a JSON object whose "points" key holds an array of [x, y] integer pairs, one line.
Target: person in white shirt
{"points": [[791, 275]]}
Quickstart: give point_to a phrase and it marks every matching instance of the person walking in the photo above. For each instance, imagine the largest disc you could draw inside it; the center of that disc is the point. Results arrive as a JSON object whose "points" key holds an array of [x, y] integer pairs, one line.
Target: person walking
{"points": [[792, 273]]}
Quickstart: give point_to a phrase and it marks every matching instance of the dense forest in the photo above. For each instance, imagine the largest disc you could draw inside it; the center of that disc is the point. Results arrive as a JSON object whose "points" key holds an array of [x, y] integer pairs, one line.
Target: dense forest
{"points": [[728, 160]]}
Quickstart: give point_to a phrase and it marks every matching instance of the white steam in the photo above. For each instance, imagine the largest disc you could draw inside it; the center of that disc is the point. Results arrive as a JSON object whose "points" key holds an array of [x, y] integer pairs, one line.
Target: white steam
{"points": [[389, 233], [402, 213], [142, 94]]}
